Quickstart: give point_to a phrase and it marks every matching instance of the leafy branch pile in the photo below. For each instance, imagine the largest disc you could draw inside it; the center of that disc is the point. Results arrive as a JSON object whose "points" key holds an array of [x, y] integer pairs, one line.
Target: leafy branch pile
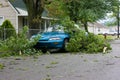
{"points": [[82, 41], [90, 43], [19, 44]]}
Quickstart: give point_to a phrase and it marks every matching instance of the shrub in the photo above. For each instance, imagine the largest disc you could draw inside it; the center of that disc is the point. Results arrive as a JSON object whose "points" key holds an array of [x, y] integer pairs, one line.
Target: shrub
{"points": [[7, 30]]}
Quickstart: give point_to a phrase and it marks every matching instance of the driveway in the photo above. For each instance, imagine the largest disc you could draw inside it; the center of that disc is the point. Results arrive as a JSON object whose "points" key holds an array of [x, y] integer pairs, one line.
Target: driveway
{"points": [[64, 66]]}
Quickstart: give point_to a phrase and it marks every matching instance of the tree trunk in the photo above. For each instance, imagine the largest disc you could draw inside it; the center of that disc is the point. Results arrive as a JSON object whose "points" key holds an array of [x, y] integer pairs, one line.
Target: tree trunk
{"points": [[86, 26], [35, 9]]}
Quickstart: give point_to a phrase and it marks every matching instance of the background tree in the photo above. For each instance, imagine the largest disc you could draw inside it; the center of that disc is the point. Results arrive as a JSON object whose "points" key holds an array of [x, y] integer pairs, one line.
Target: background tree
{"points": [[88, 11], [56, 9], [79, 10], [114, 14]]}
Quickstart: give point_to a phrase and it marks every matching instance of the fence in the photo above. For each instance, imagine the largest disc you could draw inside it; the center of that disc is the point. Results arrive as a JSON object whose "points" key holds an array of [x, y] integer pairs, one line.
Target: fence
{"points": [[5, 33]]}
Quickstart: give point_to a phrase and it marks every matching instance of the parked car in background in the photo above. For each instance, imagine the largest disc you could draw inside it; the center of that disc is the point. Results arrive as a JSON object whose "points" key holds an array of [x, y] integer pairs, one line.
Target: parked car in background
{"points": [[53, 38], [113, 33]]}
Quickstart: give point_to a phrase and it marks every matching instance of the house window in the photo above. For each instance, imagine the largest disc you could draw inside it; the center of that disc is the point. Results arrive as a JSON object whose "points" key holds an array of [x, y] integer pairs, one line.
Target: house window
{"points": [[25, 21], [1, 20]]}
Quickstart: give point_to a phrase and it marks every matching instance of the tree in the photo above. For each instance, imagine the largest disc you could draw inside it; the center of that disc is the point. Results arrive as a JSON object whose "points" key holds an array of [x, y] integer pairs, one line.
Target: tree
{"points": [[79, 10], [35, 9], [113, 16], [56, 9], [117, 12], [88, 11]]}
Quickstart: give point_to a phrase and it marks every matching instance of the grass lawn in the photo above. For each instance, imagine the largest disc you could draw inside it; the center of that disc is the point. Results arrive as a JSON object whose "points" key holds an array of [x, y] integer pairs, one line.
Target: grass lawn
{"points": [[109, 37]]}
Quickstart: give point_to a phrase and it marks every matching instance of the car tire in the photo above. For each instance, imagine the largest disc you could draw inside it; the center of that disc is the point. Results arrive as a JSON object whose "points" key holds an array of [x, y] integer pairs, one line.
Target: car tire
{"points": [[65, 44], [44, 50]]}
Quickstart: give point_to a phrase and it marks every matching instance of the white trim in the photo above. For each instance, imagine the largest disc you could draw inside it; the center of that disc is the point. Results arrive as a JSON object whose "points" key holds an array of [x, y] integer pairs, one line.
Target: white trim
{"points": [[22, 12], [12, 7], [45, 25], [2, 20], [49, 18], [22, 15], [16, 27]]}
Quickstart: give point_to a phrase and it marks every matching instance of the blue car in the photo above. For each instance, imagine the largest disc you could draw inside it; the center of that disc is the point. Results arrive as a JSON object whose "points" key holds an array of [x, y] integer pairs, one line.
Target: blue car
{"points": [[53, 38]]}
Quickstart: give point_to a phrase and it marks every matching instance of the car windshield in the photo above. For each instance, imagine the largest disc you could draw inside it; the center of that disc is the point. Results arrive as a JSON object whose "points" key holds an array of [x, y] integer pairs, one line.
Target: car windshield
{"points": [[55, 28]]}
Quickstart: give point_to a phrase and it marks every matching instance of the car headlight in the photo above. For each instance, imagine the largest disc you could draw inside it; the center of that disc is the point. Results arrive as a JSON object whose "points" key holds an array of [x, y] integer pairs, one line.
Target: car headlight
{"points": [[32, 38], [35, 37], [54, 38]]}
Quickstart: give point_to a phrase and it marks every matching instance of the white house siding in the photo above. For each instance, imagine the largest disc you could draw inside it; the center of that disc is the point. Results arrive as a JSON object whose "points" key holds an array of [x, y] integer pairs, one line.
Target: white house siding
{"points": [[98, 28], [8, 12]]}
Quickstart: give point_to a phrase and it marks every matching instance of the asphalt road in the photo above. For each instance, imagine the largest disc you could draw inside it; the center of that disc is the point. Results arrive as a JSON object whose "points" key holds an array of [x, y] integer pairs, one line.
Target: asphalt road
{"points": [[64, 66]]}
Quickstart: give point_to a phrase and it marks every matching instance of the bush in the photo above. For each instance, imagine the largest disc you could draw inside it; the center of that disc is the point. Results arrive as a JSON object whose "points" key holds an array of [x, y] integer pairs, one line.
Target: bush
{"points": [[7, 30], [86, 43], [18, 44]]}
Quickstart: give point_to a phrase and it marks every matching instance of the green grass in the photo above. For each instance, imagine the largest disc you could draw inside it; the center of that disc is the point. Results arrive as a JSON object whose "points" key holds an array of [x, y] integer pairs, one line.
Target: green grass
{"points": [[50, 66], [109, 37], [54, 62], [1, 66]]}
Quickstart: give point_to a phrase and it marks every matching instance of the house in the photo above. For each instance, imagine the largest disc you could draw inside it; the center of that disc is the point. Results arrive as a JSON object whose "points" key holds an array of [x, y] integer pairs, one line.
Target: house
{"points": [[98, 28], [16, 12]]}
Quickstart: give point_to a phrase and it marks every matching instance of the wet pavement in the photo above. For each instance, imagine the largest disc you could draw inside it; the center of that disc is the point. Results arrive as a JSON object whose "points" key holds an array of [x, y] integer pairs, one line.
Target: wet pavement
{"points": [[64, 66]]}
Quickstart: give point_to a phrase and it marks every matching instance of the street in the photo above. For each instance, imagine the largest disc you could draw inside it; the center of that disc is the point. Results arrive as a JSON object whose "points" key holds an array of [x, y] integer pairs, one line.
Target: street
{"points": [[64, 66]]}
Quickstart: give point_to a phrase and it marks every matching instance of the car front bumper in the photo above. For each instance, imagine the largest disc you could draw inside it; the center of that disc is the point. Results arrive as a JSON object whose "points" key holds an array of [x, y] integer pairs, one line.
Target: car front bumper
{"points": [[51, 44]]}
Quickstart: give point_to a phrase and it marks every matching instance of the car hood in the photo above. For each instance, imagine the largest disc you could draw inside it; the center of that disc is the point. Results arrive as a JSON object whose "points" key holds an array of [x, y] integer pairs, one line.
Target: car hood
{"points": [[47, 35]]}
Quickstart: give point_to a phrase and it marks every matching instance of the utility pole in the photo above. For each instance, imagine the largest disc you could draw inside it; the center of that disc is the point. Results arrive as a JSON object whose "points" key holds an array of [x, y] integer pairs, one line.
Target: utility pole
{"points": [[118, 21]]}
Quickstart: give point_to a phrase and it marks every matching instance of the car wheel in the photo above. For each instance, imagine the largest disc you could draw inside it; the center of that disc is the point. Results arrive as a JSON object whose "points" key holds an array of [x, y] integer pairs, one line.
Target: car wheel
{"points": [[65, 44], [44, 50]]}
